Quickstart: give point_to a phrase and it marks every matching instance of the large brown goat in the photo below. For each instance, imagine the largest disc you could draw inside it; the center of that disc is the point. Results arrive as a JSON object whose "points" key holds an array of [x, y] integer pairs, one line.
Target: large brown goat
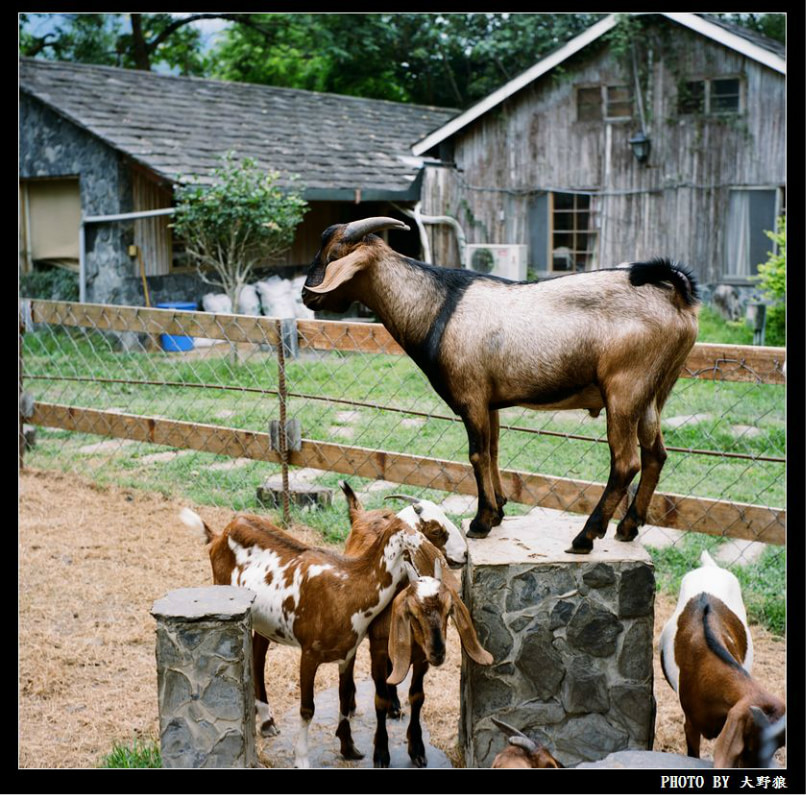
{"points": [[614, 339]]}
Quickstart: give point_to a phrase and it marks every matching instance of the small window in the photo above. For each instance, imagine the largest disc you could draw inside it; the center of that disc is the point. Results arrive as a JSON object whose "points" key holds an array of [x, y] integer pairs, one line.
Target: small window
{"points": [[725, 96], [710, 96], [574, 232], [589, 104], [619, 102]]}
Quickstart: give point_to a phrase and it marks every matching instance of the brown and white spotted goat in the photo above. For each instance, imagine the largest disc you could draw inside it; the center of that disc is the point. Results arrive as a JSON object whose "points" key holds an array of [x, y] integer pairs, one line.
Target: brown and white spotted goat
{"points": [[318, 600], [612, 338], [412, 631]]}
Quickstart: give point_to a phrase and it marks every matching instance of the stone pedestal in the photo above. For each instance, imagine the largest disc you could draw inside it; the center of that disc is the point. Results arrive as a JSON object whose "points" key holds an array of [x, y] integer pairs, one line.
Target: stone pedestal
{"points": [[571, 636], [204, 677]]}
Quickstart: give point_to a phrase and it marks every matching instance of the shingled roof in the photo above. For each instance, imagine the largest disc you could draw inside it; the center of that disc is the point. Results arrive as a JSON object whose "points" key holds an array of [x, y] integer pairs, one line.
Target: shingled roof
{"points": [[180, 126]]}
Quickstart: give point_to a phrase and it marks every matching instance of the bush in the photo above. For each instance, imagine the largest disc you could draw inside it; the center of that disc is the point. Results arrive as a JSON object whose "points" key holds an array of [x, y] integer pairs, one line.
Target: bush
{"points": [[772, 280], [50, 283]]}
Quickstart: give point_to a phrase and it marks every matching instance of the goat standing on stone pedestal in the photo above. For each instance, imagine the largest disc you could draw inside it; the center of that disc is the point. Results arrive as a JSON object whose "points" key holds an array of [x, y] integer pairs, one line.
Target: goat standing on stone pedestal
{"points": [[614, 339]]}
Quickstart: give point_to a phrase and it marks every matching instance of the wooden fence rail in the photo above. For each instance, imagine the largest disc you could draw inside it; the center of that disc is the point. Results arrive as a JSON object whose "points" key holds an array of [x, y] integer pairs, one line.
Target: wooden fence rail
{"points": [[708, 361]]}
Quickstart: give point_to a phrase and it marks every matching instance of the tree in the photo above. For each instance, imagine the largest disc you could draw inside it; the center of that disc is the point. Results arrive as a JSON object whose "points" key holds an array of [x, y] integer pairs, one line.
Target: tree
{"points": [[772, 280], [240, 221], [133, 41], [449, 60]]}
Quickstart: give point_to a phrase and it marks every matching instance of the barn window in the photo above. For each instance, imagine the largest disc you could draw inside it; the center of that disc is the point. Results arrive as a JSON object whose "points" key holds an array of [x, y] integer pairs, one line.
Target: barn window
{"points": [[595, 103], [710, 96], [589, 104], [573, 232], [619, 102], [751, 213]]}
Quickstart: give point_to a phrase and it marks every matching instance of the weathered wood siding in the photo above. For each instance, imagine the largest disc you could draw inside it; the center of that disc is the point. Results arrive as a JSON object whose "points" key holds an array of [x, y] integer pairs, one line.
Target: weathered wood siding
{"points": [[675, 206]]}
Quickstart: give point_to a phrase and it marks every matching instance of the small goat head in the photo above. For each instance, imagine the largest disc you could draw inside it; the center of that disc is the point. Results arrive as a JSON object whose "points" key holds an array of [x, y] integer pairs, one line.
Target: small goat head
{"points": [[434, 524], [420, 611], [522, 752]]}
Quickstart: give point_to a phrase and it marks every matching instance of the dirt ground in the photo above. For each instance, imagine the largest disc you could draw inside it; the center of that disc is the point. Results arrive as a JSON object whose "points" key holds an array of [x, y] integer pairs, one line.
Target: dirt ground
{"points": [[92, 562]]}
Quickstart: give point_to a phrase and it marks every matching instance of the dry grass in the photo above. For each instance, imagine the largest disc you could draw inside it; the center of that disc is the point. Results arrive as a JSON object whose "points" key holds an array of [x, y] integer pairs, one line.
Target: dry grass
{"points": [[92, 562]]}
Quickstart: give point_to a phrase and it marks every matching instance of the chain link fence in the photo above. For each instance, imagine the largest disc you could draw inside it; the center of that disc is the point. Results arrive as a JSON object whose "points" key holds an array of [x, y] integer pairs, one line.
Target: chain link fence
{"points": [[249, 411]]}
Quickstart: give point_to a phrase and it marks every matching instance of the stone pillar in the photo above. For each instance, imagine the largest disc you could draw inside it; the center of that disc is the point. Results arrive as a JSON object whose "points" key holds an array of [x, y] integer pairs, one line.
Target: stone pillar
{"points": [[204, 677], [571, 636]]}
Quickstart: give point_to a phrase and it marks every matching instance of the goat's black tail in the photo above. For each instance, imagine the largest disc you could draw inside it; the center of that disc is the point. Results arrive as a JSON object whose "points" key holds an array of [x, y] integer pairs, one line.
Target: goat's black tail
{"points": [[711, 638], [664, 270]]}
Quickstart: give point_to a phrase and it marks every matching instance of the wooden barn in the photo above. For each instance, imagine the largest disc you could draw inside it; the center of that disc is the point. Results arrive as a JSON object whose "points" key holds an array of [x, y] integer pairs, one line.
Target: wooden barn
{"points": [[647, 135]]}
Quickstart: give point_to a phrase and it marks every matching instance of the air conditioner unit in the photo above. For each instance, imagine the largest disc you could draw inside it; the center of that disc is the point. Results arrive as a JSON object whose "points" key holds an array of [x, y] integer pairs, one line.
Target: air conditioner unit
{"points": [[499, 259]]}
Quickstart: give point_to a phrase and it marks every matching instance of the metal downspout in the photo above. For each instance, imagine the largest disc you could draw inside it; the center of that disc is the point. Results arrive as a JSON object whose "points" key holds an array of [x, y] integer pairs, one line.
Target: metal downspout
{"points": [[420, 220]]}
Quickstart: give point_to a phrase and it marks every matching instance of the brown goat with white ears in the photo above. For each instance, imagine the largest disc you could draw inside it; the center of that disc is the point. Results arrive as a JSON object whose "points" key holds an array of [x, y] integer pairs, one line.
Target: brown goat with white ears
{"points": [[412, 630], [614, 339], [706, 653], [318, 600]]}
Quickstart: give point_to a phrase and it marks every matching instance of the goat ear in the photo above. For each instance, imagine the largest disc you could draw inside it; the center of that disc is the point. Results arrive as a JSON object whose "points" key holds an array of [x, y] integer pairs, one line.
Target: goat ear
{"points": [[730, 744], [354, 506], [399, 640], [467, 632], [342, 270]]}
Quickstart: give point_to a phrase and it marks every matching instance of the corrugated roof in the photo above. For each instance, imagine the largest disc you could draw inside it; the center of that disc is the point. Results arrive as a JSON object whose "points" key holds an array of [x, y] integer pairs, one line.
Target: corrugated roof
{"points": [[179, 126]]}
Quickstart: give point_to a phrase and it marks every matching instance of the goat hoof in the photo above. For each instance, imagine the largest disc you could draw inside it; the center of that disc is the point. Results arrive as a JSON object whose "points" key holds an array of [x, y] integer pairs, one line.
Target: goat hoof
{"points": [[269, 728], [352, 753], [419, 760], [581, 545], [478, 530], [381, 760]]}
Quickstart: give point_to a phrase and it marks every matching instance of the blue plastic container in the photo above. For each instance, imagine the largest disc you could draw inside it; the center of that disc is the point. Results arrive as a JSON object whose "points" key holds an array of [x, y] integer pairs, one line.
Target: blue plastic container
{"points": [[177, 342]]}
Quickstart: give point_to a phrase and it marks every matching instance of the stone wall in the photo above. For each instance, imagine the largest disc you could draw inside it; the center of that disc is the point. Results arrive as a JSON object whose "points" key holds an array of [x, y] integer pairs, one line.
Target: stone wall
{"points": [[571, 637]]}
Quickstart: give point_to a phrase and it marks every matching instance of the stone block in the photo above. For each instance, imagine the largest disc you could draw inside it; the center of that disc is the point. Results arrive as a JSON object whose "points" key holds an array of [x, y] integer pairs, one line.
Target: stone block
{"points": [[571, 639], [204, 677]]}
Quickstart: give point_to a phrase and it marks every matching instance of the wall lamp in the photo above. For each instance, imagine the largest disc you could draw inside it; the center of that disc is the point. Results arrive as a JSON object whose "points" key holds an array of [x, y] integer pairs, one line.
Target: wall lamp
{"points": [[641, 146]]}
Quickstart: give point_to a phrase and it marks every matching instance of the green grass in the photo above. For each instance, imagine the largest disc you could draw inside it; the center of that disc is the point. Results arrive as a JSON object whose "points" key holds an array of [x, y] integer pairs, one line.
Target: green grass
{"points": [[138, 754], [714, 328]]}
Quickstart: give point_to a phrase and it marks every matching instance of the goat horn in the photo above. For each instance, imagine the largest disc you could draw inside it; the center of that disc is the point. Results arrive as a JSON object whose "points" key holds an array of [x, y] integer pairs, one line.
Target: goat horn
{"points": [[515, 736], [405, 497], [355, 230], [523, 742]]}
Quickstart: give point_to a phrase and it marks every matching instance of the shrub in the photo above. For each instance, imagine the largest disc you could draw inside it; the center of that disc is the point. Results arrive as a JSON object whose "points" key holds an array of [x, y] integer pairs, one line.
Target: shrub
{"points": [[772, 280]]}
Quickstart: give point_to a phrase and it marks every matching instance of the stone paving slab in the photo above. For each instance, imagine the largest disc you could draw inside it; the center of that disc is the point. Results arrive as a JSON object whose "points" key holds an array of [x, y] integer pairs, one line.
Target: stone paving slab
{"points": [[324, 745]]}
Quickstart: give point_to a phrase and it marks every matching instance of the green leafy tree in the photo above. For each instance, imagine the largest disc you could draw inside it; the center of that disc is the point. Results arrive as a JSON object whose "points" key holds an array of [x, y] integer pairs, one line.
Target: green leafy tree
{"points": [[133, 41], [772, 280], [238, 220], [449, 60]]}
